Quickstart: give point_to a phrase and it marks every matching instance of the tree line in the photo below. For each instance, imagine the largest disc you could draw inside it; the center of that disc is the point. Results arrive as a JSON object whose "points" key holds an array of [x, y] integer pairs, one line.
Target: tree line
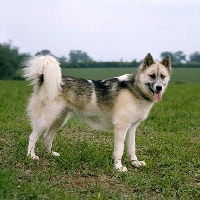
{"points": [[11, 60]]}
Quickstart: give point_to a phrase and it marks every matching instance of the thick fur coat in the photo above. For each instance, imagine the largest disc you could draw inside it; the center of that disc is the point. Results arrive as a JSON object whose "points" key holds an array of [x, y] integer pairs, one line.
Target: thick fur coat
{"points": [[117, 105]]}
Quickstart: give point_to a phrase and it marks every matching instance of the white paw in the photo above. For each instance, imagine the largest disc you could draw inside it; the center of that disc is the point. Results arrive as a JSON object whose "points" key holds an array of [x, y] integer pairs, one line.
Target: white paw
{"points": [[55, 153], [119, 167], [137, 163], [34, 157], [122, 169]]}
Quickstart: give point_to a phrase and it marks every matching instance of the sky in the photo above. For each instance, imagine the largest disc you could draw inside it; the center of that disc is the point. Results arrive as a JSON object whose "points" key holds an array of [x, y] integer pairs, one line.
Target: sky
{"points": [[107, 30]]}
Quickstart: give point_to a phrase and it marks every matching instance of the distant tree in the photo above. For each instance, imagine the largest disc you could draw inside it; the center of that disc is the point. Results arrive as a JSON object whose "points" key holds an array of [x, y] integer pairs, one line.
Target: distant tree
{"points": [[178, 56], [62, 59], [167, 53], [10, 60], [47, 52], [43, 52], [77, 56], [195, 57]]}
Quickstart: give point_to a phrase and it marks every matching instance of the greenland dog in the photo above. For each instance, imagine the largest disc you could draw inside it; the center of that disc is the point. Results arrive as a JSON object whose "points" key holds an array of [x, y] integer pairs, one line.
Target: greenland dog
{"points": [[117, 105]]}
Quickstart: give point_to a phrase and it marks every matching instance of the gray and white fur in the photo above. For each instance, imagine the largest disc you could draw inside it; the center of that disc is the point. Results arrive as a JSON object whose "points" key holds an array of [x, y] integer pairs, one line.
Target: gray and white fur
{"points": [[117, 105]]}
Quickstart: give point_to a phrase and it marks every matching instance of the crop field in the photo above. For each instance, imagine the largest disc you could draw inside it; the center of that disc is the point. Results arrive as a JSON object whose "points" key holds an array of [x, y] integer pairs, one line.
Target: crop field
{"points": [[168, 140]]}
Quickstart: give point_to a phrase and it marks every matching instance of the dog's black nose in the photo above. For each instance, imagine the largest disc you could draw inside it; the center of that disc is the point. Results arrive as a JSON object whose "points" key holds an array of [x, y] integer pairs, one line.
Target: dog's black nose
{"points": [[158, 88]]}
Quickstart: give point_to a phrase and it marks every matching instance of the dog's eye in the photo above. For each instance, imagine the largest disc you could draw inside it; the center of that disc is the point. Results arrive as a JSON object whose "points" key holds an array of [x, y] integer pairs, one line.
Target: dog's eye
{"points": [[162, 76], [153, 76]]}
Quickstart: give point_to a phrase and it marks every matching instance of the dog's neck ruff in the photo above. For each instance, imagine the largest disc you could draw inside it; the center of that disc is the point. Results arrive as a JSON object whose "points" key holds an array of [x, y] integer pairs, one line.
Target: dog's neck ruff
{"points": [[142, 95]]}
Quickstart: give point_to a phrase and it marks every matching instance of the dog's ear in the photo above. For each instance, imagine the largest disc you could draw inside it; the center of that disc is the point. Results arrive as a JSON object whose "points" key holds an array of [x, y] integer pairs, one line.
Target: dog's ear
{"points": [[167, 63], [148, 61]]}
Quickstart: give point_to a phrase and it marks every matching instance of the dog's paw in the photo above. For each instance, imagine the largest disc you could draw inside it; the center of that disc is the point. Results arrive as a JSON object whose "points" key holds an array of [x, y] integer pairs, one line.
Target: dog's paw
{"points": [[34, 157], [122, 169], [55, 153], [119, 167], [137, 163]]}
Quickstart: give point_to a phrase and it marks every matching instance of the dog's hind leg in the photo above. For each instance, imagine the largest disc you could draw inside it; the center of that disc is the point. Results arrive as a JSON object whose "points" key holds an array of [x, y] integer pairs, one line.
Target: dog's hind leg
{"points": [[51, 132], [130, 141], [32, 141]]}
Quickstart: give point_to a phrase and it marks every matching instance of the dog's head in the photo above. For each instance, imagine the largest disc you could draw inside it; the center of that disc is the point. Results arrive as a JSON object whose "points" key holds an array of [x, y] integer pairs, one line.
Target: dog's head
{"points": [[155, 76]]}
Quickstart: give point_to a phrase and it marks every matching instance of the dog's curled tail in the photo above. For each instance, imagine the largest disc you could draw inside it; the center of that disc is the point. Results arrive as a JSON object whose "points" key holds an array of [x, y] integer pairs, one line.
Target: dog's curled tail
{"points": [[44, 71]]}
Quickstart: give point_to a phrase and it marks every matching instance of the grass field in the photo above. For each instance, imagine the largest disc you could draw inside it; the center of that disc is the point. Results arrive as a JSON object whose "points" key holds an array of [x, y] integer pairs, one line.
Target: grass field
{"points": [[169, 142]]}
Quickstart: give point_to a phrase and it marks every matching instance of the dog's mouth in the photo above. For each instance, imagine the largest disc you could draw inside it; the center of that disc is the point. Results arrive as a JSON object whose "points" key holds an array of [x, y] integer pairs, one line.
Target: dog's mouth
{"points": [[156, 94]]}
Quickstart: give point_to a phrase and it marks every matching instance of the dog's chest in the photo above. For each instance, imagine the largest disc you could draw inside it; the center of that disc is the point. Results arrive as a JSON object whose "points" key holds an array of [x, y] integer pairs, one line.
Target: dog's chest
{"points": [[129, 108], [140, 111]]}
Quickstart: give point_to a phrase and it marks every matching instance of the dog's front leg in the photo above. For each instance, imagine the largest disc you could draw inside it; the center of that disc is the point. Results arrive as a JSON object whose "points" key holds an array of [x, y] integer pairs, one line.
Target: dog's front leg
{"points": [[119, 137], [130, 141]]}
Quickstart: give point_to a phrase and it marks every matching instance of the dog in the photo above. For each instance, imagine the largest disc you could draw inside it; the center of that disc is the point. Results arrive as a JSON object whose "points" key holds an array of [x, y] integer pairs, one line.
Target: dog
{"points": [[116, 105]]}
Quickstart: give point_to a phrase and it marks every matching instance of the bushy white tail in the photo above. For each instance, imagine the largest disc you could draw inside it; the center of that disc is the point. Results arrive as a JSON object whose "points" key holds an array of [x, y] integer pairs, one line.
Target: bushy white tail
{"points": [[44, 71]]}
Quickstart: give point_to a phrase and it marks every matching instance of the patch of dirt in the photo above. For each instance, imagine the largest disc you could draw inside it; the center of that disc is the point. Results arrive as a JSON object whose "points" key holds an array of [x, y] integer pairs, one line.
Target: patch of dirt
{"points": [[92, 182]]}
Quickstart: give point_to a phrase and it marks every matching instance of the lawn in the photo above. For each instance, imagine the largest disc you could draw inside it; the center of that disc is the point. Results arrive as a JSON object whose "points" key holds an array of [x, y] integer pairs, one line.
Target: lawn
{"points": [[169, 142]]}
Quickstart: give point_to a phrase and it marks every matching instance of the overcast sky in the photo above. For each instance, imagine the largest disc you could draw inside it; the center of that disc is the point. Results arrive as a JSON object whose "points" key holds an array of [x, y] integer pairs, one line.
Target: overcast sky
{"points": [[108, 30]]}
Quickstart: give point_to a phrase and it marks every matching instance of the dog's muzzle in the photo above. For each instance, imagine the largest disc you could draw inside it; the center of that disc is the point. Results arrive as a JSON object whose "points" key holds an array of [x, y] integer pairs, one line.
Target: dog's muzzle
{"points": [[156, 92]]}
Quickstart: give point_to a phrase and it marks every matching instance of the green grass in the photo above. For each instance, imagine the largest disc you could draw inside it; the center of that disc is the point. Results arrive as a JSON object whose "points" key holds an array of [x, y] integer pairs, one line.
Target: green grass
{"points": [[169, 142]]}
